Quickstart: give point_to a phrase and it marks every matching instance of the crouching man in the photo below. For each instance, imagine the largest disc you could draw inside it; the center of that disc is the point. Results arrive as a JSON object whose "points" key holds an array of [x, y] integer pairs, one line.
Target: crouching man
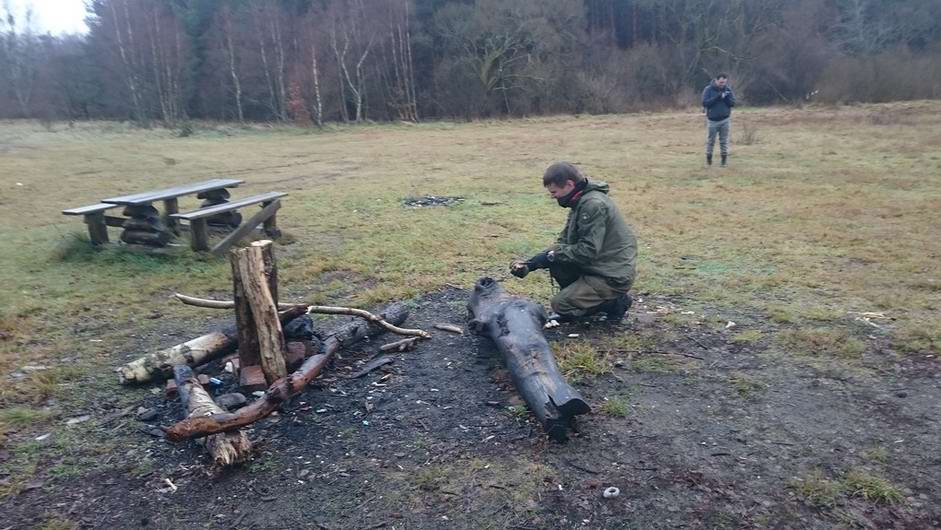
{"points": [[593, 259]]}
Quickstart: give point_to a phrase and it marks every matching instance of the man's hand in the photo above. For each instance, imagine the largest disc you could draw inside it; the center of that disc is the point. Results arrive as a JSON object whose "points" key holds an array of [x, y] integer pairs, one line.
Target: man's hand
{"points": [[519, 269]]}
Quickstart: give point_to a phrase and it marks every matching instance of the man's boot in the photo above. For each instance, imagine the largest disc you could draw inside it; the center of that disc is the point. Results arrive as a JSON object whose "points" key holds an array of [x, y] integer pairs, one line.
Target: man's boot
{"points": [[724, 158], [709, 159], [616, 309]]}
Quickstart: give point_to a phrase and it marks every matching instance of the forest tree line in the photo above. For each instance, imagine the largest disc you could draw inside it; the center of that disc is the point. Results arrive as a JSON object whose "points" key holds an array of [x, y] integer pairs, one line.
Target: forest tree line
{"points": [[316, 61]]}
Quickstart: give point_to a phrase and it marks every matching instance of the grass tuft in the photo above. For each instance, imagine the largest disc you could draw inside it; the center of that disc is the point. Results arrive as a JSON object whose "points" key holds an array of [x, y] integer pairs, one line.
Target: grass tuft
{"points": [[821, 341], [861, 483], [816, 490], [616, 407], [580, 359]]}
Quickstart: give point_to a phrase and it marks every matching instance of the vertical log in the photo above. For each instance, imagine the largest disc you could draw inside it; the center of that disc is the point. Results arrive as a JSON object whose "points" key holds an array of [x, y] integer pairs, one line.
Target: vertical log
{"points": [[97, 228], [249, 351], [199, 235], [271, 266], [251, 267], [271, 224], [170, 207], [244, 321]]}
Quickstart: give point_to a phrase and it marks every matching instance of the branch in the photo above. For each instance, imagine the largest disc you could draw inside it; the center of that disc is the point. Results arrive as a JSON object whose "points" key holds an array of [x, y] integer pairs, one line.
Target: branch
{"points": [[327, 310], [362, 313]]}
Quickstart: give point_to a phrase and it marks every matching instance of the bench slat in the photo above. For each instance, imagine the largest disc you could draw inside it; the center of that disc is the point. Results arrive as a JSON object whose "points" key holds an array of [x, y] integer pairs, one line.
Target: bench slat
{"points": [[229, 206], [92, 208], [177, 191]]}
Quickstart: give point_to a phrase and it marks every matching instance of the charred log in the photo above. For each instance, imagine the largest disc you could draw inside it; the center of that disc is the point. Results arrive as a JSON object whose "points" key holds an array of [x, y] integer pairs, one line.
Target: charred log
{"points": [[515, 325]]}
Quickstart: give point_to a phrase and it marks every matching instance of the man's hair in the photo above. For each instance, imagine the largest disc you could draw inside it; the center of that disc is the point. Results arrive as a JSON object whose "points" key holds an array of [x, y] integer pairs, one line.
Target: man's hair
{"points": [[557, 174], [722, 75]]}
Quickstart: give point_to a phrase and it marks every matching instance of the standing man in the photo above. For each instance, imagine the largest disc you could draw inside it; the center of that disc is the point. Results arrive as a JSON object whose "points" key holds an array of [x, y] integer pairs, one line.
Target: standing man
{"points": [[718, 100], [593, 259]]}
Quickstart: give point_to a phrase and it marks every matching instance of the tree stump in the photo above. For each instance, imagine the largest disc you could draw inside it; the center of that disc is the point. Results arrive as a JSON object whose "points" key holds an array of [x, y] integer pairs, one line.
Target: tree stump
{"points": [[253, 287]]}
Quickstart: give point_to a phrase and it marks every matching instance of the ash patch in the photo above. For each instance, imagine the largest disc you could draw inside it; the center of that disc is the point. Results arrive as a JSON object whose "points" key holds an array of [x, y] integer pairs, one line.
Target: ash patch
{"points": [[431, 200]]}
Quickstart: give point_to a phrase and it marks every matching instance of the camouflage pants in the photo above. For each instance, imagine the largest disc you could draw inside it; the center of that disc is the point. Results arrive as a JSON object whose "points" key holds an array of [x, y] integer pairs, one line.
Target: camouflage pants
{"points": [[581, 294]]}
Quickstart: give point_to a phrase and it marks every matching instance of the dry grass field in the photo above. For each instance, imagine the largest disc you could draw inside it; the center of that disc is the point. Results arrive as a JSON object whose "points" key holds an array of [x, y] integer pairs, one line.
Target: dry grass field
{"points": [[821, 242]]}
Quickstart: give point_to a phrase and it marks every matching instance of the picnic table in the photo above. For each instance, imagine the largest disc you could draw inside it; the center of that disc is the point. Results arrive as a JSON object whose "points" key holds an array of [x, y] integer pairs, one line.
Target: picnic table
{"points": [[146, 225]]}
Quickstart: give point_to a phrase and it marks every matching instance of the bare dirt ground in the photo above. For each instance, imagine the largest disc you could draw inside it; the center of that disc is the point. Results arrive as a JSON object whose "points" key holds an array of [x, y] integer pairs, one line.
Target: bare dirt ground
{"points": [[715, 435]]}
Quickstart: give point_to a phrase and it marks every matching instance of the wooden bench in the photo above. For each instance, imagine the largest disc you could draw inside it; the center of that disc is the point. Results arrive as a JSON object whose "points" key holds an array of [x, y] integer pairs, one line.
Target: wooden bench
{"points": [[199, 232], [96, 220]]}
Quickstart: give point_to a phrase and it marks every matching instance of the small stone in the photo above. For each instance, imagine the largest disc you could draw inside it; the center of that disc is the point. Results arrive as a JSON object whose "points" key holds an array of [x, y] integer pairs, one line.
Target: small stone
{"points": [[232, 401], [901, 394], [145, 414], [77, 420]]}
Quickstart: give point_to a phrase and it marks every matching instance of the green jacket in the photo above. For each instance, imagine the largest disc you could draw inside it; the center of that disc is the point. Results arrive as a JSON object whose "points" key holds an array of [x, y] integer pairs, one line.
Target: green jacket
{"points": [[597, 239]]}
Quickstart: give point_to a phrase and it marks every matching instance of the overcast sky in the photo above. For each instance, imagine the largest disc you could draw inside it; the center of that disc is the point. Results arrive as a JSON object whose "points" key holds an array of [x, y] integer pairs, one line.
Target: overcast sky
{"points": [[54, 16]]}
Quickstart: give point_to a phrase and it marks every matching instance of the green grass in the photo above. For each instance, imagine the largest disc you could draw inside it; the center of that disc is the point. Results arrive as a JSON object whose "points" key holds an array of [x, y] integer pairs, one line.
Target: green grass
{"points": [[20, 416], [821, 341], [617, 407], [862, 483], [746, 385], [579, 359], [817, 490]]}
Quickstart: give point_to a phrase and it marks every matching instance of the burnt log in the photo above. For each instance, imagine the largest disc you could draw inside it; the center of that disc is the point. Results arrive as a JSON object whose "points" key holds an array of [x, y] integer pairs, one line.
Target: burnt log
{"points": [[285, 388], [226, 448], [515, 325]]}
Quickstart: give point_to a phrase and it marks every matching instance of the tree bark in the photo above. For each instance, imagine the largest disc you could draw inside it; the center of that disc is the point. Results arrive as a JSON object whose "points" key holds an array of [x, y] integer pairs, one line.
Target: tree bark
{"points": [[283, 389], [159, 365], [248, 334], [251, 270], [226, 448], [515, 325]]}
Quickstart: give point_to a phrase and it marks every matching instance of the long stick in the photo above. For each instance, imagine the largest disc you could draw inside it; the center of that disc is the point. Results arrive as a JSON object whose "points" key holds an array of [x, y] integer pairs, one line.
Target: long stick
{"points": [[321, 309], [283, 389]]}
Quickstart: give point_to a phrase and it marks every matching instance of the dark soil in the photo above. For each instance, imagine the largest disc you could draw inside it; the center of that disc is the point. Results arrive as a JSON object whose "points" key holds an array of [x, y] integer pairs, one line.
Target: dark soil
{"points": [[436, 440]]}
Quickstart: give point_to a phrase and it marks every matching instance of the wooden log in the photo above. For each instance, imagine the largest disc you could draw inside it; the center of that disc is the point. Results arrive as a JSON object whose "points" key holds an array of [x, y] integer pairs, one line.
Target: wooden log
{"points": [[97, 228], [170, 207], [140, 237], [226, 448], [251, 268], [283, 389], [159, 365], [199, 235], [516, 326], [271, 225], [271, 266]]}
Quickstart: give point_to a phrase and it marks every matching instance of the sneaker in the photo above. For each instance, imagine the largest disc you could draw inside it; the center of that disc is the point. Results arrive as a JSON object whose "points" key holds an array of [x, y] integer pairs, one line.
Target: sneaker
{"points": [[708, 160], [724, 159]]}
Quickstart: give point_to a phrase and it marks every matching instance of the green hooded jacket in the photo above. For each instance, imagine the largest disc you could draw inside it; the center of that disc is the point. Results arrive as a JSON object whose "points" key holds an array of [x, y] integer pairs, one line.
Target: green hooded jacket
{"points": [[597, 239]]}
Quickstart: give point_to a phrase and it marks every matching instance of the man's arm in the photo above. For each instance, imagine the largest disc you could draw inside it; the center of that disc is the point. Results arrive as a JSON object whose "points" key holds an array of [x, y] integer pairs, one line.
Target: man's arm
{"points": [[730, 98], [710, 97], [592, 224]]}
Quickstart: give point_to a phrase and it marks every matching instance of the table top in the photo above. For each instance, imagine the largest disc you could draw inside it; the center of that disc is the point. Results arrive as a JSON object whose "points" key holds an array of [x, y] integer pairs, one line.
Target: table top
{"points": [[171, 193]]}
